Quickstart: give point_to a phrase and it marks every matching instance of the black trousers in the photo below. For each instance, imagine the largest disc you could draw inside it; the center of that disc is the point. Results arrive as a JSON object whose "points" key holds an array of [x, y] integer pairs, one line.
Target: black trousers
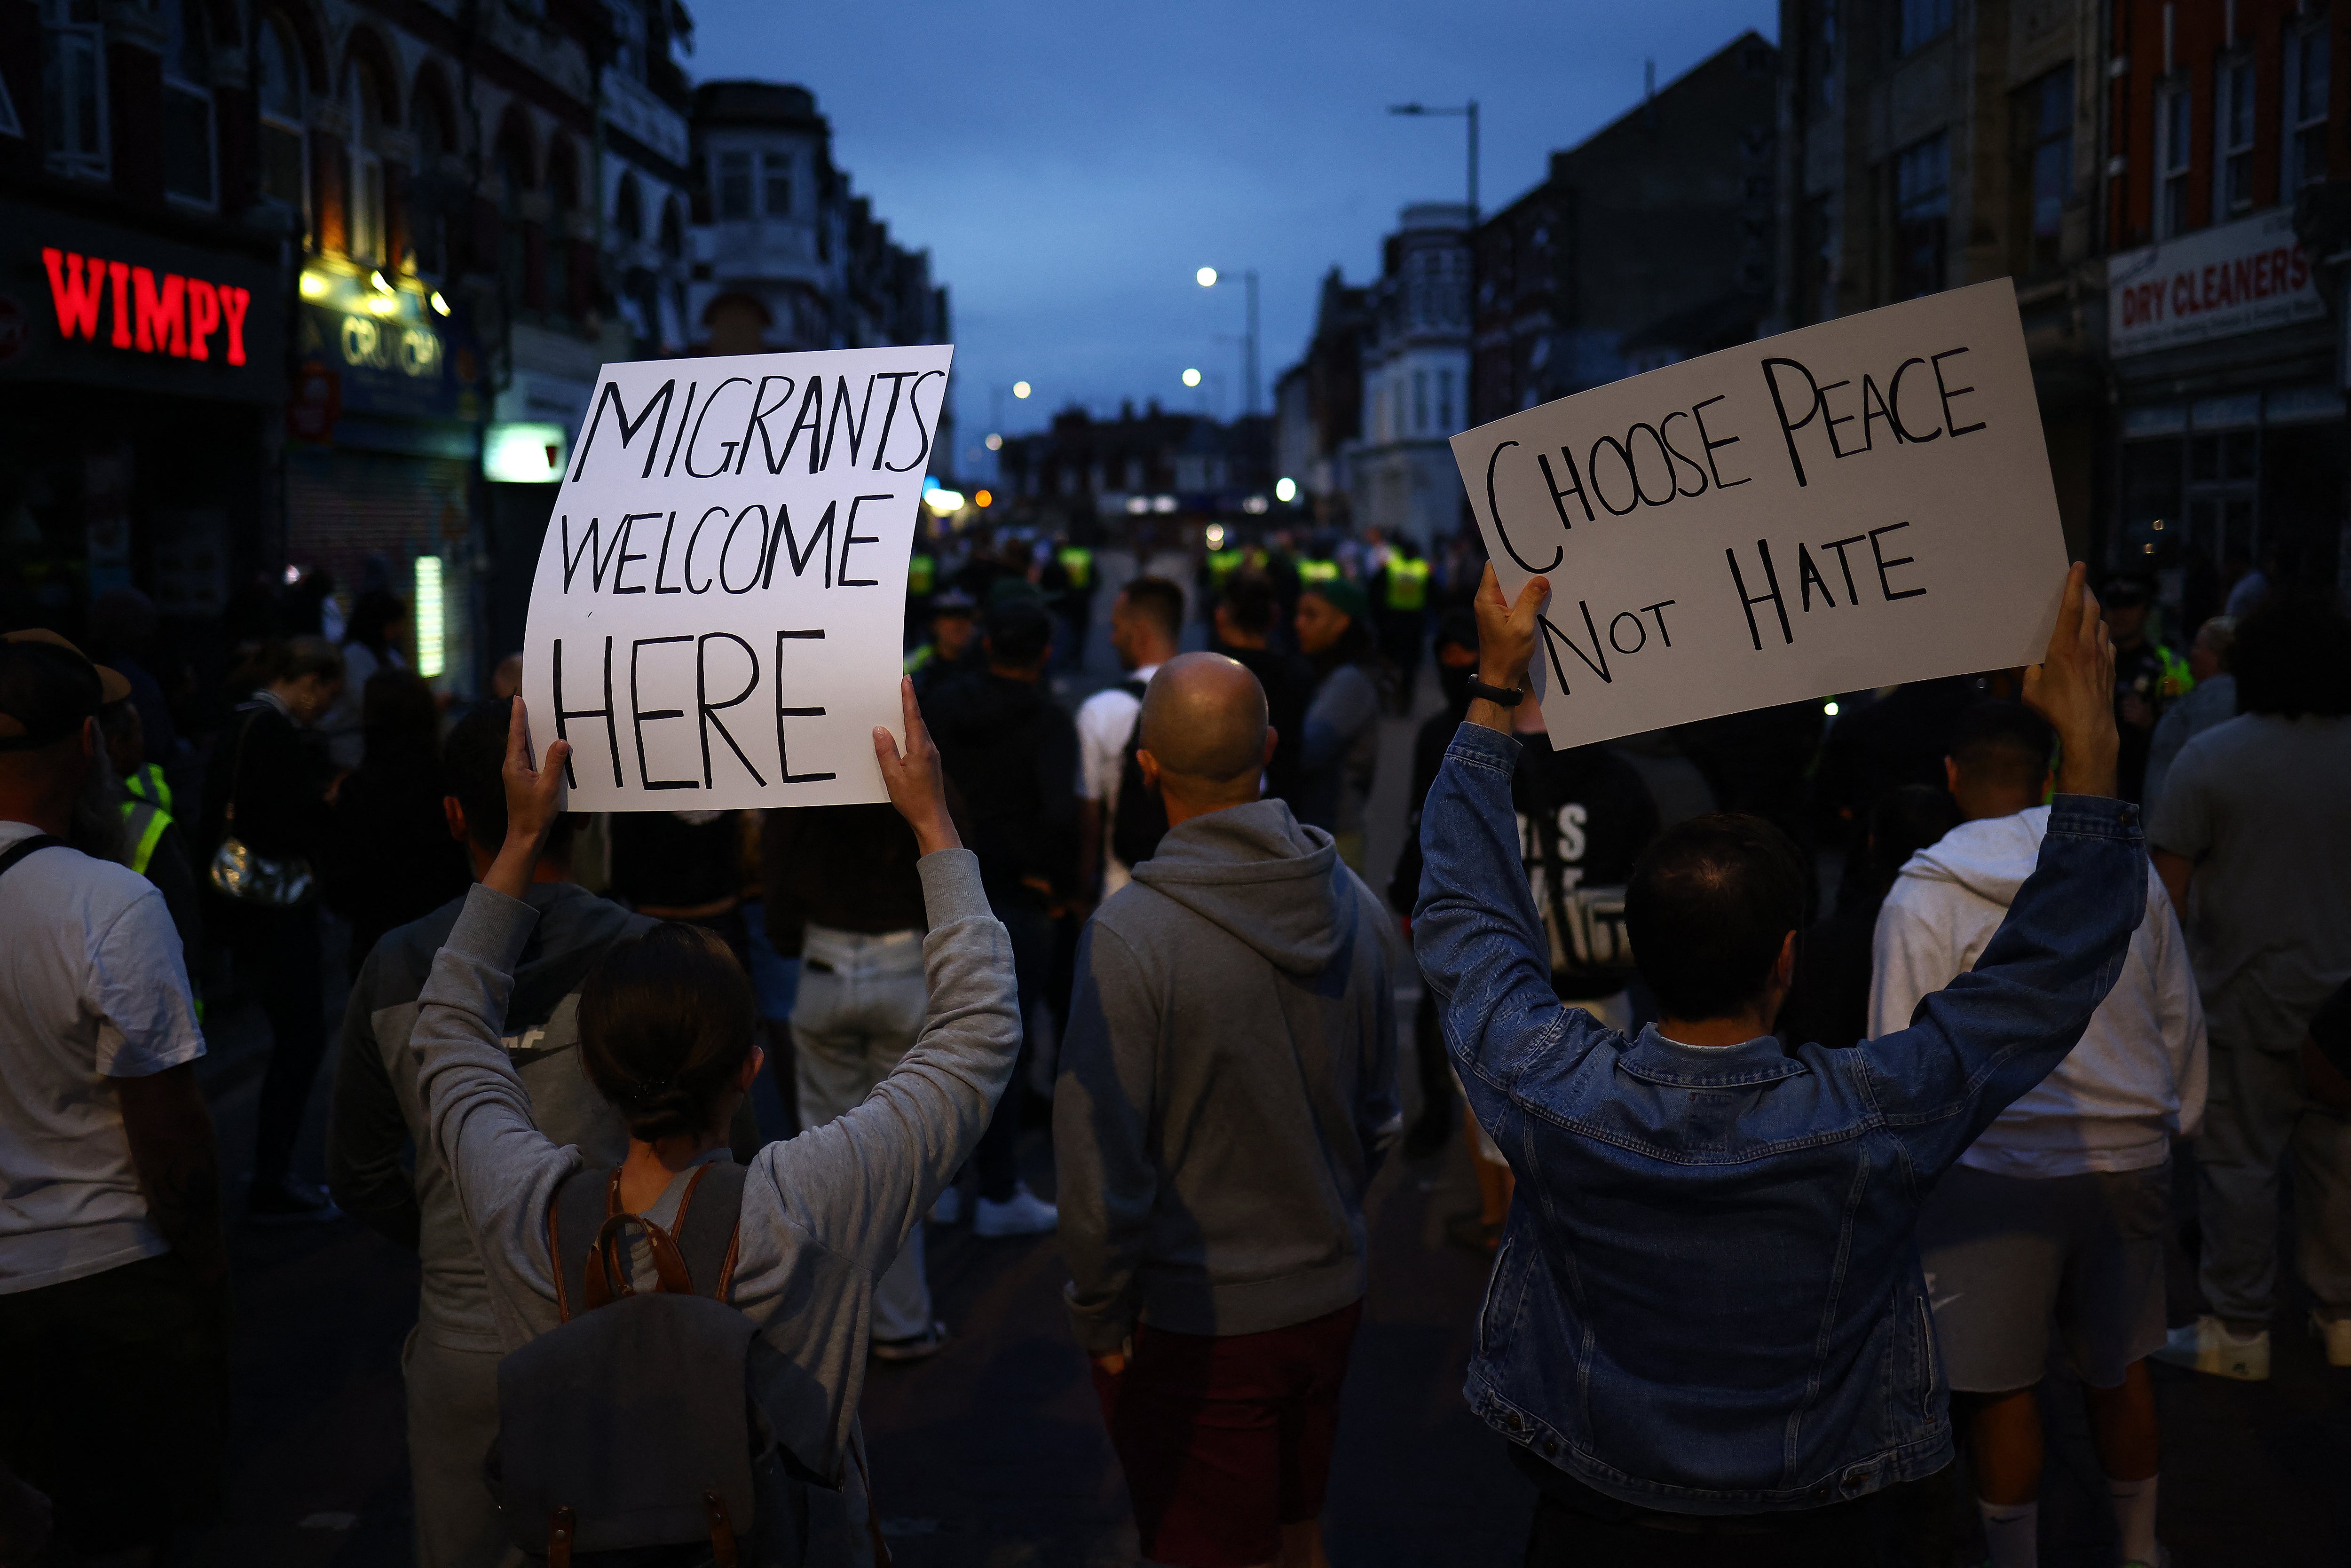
{"points": [[280, 959], [995, 1161], [1906, 1525], [115, 1403]]}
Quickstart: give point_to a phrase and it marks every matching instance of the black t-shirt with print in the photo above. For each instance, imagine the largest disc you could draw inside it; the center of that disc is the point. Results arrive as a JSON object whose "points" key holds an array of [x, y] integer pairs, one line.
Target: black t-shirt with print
{"points": [[1585, 817]]}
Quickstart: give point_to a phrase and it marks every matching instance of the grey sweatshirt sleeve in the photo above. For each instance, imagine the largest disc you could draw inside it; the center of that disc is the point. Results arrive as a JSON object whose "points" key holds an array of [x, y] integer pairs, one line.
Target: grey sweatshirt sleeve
{"points": [[479, 1114], [1104, 1178], [1379, 1112], [857, 1185], [366, 1133]]}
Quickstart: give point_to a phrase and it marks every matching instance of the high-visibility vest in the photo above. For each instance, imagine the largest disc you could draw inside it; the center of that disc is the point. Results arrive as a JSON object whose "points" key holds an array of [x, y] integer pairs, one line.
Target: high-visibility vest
{"points": [[1079, 563], [921, 573], [143, 826], [1311, 572], [149, 784], [1407, 583], [2179, 680], [1222, 564]]}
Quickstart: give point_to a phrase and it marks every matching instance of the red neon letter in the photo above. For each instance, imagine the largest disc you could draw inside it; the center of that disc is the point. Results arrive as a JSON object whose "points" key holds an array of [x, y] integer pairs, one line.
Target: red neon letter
{"points": [[233, 302], [76, 297], [204, 317], [120, 272], [162, 318]]}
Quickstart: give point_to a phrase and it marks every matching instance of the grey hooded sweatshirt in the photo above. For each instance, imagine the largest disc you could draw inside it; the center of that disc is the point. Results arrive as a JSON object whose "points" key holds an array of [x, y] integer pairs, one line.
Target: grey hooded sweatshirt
{"points": [[1228, 1085]]}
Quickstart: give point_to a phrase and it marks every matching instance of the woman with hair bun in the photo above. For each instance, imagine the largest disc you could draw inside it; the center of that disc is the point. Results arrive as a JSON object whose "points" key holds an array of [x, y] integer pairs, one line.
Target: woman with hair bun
{"points": [[665, 1026]]}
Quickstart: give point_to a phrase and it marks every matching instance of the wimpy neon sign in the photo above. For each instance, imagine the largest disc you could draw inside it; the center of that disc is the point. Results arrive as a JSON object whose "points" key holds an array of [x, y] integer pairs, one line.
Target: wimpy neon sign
{"points": [[171, 314]]}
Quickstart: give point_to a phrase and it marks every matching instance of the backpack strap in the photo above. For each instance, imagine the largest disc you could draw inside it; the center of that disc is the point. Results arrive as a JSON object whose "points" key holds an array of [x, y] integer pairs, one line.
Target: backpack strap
{"points": [[24, 847], [709, 1219], [585, 1223], [578, 1210]]}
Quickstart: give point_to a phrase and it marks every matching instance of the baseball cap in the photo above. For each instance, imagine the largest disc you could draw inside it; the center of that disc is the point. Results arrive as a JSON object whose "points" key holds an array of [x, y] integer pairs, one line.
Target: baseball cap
{"points": [[952, 601], [47, 687], [1344, 595]]}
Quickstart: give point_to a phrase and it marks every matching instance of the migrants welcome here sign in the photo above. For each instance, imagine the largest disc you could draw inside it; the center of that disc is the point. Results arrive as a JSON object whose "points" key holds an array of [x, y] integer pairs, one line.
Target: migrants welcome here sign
{"points": [[1855, 504], [716, 619]]}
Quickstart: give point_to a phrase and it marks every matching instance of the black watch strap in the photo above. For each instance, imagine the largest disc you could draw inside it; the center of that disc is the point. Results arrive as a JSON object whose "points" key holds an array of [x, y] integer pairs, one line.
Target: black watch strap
{"points": [[1502, 696]]}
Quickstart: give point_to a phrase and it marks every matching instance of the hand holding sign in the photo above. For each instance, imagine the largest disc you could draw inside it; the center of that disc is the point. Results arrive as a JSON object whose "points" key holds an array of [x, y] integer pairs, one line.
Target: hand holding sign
{"points": [[533, 805], [2073, 688], [1855, 504], [1506, 642], [916, 786]]}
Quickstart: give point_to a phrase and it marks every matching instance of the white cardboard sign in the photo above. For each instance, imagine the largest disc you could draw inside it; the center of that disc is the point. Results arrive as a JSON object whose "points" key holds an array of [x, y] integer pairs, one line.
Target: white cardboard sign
{"points": [[716, 619], [1859, 503]]}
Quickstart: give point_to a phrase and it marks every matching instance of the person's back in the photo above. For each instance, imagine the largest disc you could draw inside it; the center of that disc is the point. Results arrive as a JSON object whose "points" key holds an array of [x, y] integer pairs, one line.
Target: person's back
{"points": [[666, 1031], [385, 1170], [1710, 1302], [1226, 1089], [1013, 753]]}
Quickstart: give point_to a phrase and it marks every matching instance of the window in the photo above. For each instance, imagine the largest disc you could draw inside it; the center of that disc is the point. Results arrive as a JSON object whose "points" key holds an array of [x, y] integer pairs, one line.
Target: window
{"points": [[628, 211], [2307, 50], [187, 105], [429, 196], [2043, 177], [1922, 212], [2232, 116], [776, 172], [734, 185], [1823, 247], [513, 242], [363, 230], [278, 91], [1420, 403], [1444, 402], [2174, 124], [73, 90], [1919, 22], [556, 255]]}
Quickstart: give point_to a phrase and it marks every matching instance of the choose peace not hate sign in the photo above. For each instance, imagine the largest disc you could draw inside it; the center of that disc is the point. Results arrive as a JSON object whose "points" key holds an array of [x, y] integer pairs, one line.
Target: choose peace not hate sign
{"points": [[1855, 504], [716, 618]]}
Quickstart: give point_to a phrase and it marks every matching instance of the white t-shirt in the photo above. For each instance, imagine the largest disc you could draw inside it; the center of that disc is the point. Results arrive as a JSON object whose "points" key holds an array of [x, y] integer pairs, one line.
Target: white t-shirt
{"points": [[92, 986], [1105, 720]]}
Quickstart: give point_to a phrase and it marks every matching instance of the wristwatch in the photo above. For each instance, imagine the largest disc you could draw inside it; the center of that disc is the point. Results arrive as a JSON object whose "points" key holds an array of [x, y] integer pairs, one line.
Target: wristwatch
{"points": [[1501, 696]]}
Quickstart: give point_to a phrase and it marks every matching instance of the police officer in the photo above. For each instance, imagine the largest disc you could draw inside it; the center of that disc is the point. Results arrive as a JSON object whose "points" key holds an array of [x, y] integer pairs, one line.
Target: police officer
{"points": [[2148, 677], [153, 844], [1400, 597]]}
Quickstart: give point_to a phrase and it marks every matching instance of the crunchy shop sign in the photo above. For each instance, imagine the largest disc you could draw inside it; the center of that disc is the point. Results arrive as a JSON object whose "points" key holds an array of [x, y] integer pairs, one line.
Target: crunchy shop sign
{"points": [[2247, 277], [97, 305], [172, 314]]}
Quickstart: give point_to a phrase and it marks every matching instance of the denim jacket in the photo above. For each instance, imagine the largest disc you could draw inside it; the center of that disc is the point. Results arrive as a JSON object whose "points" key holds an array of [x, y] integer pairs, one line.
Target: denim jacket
{"points": [[1707, 1297]]}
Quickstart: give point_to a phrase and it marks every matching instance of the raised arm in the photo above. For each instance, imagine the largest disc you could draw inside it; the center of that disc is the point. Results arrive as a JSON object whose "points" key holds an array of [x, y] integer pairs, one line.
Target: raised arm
{"points": [[1475, 930], [1979, 1043]]}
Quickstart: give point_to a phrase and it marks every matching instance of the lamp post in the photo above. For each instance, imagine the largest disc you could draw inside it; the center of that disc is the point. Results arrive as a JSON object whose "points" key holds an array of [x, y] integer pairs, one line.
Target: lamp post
{"points": [[1468, 111], [1206, 279]]}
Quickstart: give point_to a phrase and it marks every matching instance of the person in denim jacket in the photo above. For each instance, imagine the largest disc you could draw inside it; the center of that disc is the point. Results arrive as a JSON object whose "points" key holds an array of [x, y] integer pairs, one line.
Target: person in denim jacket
{"points": [[1707, 1335]]}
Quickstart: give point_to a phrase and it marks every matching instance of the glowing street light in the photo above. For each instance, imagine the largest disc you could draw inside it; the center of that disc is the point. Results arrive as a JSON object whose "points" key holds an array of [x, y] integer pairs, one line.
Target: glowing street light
{"points": [[995, 443], [1020, 389], [1206, 277], [1285, 489], [1191, 378]]}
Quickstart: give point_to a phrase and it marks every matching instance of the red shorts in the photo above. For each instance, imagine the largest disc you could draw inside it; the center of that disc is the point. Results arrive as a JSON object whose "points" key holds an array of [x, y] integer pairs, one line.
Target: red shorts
{"points": [[1225, 1439]]}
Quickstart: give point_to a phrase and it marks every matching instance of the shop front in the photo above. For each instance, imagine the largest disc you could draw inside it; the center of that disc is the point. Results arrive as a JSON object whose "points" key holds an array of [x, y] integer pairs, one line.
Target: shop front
{"points": [[2232, 419], [384, 435], [142, 378]]}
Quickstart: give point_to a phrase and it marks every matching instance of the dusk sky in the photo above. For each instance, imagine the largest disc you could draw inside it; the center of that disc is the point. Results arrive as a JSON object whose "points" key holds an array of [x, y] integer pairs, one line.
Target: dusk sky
{"points": [[1069, 166]]}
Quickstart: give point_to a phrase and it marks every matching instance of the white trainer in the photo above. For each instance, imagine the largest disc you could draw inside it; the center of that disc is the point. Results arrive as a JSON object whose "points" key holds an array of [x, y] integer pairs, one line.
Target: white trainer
{"points": [[2336, 1334], [1023, 1214], [2207, 1345]]}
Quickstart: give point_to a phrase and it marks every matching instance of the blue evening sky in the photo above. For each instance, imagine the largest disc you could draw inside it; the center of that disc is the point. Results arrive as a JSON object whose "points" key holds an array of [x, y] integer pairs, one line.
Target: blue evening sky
{"points": [[1070, 163]]}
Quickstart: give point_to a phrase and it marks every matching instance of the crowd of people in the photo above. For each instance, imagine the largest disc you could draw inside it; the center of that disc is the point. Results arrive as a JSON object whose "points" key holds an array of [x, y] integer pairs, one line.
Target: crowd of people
{"points": [[1823, 1069]]}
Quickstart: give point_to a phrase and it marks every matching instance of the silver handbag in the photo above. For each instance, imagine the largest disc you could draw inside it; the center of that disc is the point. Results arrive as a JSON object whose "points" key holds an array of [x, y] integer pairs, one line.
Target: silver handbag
{"points": [[237, 873]]}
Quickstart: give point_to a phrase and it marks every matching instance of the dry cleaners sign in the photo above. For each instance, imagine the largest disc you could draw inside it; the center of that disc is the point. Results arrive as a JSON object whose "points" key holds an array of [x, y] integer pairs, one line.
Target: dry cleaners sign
{"points": [[715, 621], [2214, 283]]}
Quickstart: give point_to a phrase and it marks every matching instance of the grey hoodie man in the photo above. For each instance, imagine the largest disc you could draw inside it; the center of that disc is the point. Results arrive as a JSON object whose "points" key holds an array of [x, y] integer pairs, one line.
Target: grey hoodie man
{"points": [[1228, 1085]]}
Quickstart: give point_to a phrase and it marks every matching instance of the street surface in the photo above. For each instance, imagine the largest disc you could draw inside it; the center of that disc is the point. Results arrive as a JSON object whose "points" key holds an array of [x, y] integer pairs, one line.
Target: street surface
{"points": [[992, 1454]]}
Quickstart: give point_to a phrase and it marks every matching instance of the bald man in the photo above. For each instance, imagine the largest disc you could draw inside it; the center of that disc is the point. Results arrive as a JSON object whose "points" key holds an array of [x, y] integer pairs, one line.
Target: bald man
{"points": [[1227, 1090]]}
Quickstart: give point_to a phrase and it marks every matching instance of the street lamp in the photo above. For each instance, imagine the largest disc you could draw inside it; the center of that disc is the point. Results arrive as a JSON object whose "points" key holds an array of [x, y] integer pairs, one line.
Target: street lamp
{"points": [[1206, 278], [1468, 111]]}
